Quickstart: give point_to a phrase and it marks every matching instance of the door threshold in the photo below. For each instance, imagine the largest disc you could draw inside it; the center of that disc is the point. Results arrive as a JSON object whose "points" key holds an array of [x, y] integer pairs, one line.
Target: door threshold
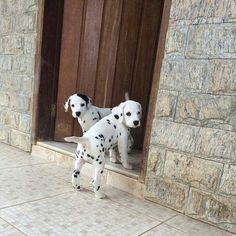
{"points": [[116, 175]]}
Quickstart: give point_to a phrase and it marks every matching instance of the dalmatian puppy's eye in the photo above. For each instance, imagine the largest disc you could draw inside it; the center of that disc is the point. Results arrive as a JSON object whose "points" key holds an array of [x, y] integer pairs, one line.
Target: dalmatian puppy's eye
{"points": [[73, 105], [139, 113], [128, 114], [82, 104]]}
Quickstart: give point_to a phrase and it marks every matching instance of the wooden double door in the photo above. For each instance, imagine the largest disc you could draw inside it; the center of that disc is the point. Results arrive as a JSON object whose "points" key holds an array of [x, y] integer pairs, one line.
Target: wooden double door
{"points": [[108, 47]]}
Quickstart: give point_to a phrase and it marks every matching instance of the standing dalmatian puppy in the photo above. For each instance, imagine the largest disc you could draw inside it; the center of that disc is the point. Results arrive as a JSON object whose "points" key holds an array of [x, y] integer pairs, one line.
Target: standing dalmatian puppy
{"points": [[88, 115], [82, 109], [107, 134]]}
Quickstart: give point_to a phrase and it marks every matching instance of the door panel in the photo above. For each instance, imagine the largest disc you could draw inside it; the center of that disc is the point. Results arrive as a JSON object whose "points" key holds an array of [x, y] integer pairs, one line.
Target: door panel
{"points": [[144, 64], [69, 60], [108, 48], [128, 40], [108, 51], [89, 47]]}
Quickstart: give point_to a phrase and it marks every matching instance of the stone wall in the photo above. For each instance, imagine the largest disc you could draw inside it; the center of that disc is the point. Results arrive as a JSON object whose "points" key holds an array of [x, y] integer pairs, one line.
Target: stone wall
{"points": [[17, 58], [192, 160]]}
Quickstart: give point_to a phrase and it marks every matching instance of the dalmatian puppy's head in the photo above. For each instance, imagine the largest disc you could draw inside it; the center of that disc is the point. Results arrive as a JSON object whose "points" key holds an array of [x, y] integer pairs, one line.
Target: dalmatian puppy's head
{"points": [[79, 104], [128, 113]]}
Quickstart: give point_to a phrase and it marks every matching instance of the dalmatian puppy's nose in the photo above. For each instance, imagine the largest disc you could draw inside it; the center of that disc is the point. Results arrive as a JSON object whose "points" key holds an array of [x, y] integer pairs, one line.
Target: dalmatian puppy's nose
{"points": [[78, 113], [136, 122]]}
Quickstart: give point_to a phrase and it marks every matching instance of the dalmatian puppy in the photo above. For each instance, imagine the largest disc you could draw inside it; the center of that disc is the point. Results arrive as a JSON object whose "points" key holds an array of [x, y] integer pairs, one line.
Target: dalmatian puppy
{"points": [[82, 109], [88, 115], [109, 133]]}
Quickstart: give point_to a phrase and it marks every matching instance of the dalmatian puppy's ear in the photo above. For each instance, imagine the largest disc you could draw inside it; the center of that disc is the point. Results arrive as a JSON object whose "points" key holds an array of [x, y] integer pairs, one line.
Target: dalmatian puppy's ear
{"points": [[118, 112], [89, 103], [66, 104], [140, 107]]}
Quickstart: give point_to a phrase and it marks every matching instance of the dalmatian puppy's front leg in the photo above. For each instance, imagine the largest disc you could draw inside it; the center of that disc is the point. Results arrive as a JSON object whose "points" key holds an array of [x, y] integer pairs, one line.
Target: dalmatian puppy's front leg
{"points": [[77, 172], [99, 168], [123, 151]]}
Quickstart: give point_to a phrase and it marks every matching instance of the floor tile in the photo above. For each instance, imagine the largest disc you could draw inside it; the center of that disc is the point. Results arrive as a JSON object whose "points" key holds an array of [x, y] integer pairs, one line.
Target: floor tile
{"points": [[77, 213], [29, 183], [17, 157], [195, 228], [165, 230], [142, 206], [8, 230]]}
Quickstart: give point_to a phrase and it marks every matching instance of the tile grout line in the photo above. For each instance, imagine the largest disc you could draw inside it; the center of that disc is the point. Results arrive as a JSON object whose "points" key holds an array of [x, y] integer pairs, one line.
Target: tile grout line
{"points": [[35, 200], [36, 164], [158, 225], [14, 226], [154, 218]]}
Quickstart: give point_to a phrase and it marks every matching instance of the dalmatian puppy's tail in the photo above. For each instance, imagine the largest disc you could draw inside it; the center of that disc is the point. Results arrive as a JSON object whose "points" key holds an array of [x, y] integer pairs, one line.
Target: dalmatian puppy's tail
{"points": [[73, 139], [66, 104], [127, 96]]}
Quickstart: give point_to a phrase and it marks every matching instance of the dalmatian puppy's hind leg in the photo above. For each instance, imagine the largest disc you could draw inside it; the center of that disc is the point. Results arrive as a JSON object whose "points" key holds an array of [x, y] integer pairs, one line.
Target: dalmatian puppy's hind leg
{"points": [[113, 157], [99, 168], [77, 172]]}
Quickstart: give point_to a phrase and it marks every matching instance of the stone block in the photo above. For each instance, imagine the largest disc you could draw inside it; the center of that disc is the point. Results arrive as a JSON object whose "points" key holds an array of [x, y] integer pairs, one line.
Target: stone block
{"points": [[5, 100], [180, 75], [221, 78], [174, 135], [27, 85], [13, 44], [213, 209], [26, 22], [3, 116], [214, 143], [230, 15], [156, 160], [228, 181], [11, 82], [6, 25], [184, 10], [211, 41], [30, 44], [4, 134], [207, 110], [20, 140], [198, 12], [25, 123], [5, 63], [212, 11], [167, 193], [15, 120], [176, 41], [20, 103], [23, 64], [166, 103], [191, 170], [14, 7]]}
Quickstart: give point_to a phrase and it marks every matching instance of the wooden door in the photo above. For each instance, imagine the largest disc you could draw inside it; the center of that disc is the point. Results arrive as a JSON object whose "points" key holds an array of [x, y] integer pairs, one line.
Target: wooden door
{"points": [[108, 47]]}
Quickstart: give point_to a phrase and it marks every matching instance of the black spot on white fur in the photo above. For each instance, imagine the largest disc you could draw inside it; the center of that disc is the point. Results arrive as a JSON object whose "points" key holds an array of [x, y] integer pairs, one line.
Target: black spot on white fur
{"points": [[84, 97]]}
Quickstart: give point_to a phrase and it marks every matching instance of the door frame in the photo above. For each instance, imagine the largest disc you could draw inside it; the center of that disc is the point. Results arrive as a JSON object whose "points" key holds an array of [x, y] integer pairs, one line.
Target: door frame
{"points": [[39, 117]]}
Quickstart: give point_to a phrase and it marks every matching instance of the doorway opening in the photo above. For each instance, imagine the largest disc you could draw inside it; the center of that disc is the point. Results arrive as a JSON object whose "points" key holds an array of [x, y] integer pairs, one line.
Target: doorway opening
{"points": [[102, 49]]}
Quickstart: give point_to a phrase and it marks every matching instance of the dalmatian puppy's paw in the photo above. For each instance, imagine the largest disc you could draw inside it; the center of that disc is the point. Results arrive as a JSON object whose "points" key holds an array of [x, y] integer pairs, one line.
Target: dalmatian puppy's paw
{"points": [[75, 180], [127, 166], [99, 194], [113, 160]]}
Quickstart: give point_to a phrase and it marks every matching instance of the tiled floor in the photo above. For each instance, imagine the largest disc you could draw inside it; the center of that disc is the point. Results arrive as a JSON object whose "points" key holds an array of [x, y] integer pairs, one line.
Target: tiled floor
{"points": [[36, 198]]}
